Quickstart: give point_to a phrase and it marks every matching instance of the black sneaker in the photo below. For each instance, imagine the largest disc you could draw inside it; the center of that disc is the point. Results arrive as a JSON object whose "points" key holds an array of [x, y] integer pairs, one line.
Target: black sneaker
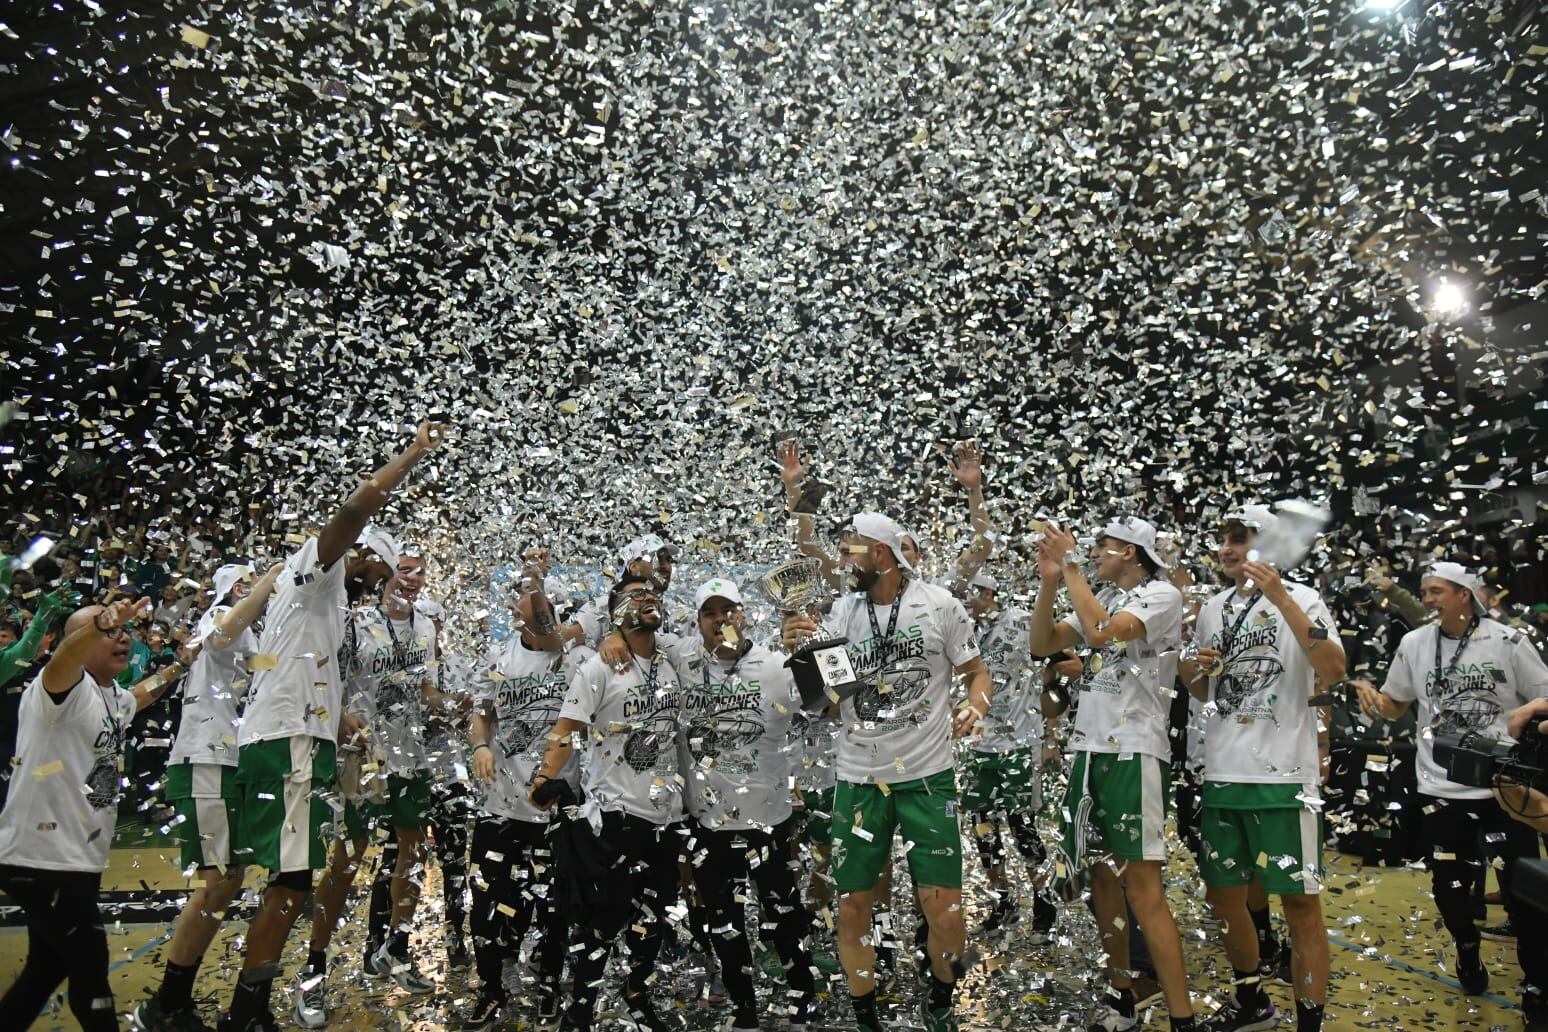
{"points": [[486, 1011], [1284, 974], [149, 1017], [643, 1013], [1004, 913], [1258, 1017], [1471, 972], [1501, 932], [457, 955]]}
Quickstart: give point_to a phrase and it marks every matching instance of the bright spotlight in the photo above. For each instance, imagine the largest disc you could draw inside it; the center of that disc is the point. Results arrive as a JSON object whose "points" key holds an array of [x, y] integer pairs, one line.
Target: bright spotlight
{"points": [[1449, 299]]}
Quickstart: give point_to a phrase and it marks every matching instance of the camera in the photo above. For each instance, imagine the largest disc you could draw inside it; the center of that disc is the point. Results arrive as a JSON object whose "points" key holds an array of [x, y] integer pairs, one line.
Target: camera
{"points": [[1479, 760]]}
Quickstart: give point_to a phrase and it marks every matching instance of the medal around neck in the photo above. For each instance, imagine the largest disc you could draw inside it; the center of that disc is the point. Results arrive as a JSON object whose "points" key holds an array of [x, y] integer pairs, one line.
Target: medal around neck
{"points": [[821, 667]]}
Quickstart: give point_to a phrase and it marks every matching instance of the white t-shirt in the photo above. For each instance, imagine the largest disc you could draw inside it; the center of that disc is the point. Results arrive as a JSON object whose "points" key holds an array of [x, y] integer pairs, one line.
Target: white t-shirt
{"points": [[635, 721], [1015, 718], [446, 734], [1126, 693], [1258, 727], [897, 727], [736, 737], [63, 801], [303, 633], [390, 664], [525, 690], [594, 621], [1497, 671], [207, 732]]}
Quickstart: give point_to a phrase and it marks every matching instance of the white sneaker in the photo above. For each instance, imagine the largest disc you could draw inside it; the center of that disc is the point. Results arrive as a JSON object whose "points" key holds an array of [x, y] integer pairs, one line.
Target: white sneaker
{"points": [[1107, 1019], [310, 1008], [402, 971]]}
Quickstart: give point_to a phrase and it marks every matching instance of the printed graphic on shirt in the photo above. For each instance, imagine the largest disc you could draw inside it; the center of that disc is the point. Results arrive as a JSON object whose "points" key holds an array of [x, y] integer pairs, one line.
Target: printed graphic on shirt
{"points": [[1466, 696], [894, 675], [652, 714], [723, 721], [102, 782], [526, 708], [1252, 669]]}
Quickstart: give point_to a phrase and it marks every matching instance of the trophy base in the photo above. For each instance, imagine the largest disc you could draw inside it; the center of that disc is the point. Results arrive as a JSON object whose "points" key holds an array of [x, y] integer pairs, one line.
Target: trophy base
{"points": [[823, 674]]}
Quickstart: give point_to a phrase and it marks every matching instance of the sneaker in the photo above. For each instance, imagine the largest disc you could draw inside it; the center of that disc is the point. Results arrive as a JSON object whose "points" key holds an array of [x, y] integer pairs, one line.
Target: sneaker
{"points": [[1002, 914], [1284, 974], [1238, 1019], [550, 1013], [402, 971], [643, 1013], [1472, 973], [768, 961], [943, 1019], [1501, 932], [826, 962], [457, 956], [1146, 990], [149, 1017], [486, 1012], [1108, 1018], [744, 1021], [309, 1008], [371, 965]]}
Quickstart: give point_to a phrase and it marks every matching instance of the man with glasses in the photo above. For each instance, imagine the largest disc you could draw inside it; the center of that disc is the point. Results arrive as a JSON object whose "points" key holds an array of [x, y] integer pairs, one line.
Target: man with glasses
{"points": [[629, 718]]}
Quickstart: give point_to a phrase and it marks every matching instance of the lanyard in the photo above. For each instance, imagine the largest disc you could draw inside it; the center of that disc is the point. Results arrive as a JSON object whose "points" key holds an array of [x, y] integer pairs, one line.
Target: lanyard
{"points": [[655, 662], [892, 625], [729, 673], [397, 648], [1230, 636], [1467, 636]]}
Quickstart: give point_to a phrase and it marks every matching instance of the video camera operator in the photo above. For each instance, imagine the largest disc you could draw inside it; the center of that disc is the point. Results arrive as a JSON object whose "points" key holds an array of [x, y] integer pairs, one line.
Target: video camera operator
{"points": [[1467, 672], [1527, 803]]}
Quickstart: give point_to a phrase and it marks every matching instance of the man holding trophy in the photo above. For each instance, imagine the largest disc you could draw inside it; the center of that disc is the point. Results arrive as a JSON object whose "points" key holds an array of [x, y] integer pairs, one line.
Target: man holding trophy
{"points": [[895, 759]]}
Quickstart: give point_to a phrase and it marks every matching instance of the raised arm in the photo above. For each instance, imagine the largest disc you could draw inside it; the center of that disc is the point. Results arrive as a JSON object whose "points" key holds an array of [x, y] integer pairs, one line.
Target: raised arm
{"points": [[1048, 638], [351, 518], [792, 471], [245, 613], [1101, 628], [967, 465], [1325, 654], [64, 668]]}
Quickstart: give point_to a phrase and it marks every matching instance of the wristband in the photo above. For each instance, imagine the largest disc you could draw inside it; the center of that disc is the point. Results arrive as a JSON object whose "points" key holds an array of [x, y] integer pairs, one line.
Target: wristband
{"points": [[481, 745]]}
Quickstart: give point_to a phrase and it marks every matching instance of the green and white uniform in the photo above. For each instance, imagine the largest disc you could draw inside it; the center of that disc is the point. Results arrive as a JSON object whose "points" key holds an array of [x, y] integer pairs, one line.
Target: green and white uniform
{"points": [[1117, 796], [285, 763], [1262, 797], [895, 758], [1004, 764], [202, 767]]}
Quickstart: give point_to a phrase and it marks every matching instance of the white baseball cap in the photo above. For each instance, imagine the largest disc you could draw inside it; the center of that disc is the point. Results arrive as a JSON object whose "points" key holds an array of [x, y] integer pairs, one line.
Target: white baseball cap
{"points": [[718, 587], [1460, 575], [1258, 518], [983, 580], [881, 528], [381, 543], [645, 547], [1135, 531], [226, 577]]}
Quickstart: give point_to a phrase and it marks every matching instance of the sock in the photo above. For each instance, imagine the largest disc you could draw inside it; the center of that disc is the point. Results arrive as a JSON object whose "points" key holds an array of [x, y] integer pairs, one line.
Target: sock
{"points": [[176, 990], [1122, 1001], [317, 961], [865, 1010], [1268, 943], [1249, 990], [1183, 1024], [250, 999], [1308, 1016], [940, 993], [399, 943]]}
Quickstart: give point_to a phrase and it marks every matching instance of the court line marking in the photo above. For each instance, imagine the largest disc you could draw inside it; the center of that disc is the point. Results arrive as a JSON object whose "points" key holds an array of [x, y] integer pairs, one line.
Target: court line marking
{"points": [[165, 936], [1421, 972]]}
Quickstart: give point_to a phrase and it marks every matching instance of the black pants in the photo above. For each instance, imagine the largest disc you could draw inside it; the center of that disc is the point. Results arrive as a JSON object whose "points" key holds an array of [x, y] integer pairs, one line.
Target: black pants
{"points": [[449, 816], [1452, 830], [65, 940], [1023, 831], [1189, 796], [644, 869], [512, 883], [722, 862]]}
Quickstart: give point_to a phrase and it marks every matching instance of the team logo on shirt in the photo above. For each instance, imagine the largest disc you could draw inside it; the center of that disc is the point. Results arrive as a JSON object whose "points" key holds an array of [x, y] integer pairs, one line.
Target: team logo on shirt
{"points": [[723, 722], [903, 683], [102, 782], [1465, 698], [1252, 672], [651, 745], [527, 708]]}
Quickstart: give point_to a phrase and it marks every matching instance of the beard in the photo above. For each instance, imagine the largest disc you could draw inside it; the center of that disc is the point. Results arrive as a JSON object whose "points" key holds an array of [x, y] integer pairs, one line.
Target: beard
{"points": [[860, 579], [649, 619]]}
